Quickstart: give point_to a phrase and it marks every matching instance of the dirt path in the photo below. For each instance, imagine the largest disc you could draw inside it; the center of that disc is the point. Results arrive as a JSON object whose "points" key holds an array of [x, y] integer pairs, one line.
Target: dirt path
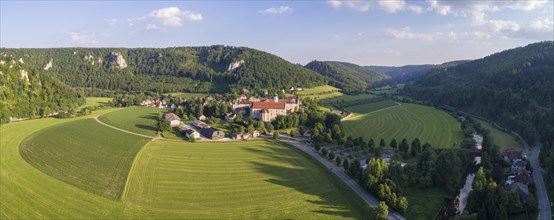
{"points": [[129, 132], [349, 118]]}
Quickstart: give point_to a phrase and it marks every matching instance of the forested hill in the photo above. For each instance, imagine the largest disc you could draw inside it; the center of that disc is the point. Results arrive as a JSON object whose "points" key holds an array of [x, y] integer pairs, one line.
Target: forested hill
{"points": [[27, 93], [194, 69], [409, 72], [503, 87], [349, 77]]}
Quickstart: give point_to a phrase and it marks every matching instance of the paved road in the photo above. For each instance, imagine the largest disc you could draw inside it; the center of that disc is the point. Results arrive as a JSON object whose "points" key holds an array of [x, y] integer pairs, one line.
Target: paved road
{"points": [[542, 196], [369, 199]]}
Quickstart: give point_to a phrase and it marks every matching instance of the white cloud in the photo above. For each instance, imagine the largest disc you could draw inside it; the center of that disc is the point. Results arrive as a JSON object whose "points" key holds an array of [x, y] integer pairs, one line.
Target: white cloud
{"points": [[449, 36], [151, 27], [415, 8], [501, 25], [546, 24], [391, 6], [277, 10], [334, 4], [172, 17], [83, 39], [406, 34]]}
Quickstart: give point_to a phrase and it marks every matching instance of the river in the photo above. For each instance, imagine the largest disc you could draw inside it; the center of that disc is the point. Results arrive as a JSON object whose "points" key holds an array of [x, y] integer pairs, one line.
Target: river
{"points": [[464, 191]]}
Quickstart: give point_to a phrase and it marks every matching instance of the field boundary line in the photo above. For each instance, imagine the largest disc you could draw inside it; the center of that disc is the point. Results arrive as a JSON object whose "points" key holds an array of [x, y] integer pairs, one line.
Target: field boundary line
{"points": [[378, 110], [119, 129], [131, 169]]}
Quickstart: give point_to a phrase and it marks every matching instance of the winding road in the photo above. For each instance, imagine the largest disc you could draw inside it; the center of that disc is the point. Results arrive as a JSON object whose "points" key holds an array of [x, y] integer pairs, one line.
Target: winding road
{"points": [[369, 199], [542, 196]]}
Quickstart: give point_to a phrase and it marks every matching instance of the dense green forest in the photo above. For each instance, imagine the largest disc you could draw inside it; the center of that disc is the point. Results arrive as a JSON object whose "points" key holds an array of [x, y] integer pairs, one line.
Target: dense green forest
{"points": [[175, 69], [351, 78], [27, 93], [513, 88]]}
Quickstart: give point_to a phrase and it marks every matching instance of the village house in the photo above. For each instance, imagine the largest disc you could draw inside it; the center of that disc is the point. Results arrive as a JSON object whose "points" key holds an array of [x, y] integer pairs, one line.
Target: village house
{"points": [[212, 133], [236, 136], [246, 136], [173, 119], [517, 166], [207, 130], [511, 154], [267, 110], [191, 133], [230, 116], [256, 133]]}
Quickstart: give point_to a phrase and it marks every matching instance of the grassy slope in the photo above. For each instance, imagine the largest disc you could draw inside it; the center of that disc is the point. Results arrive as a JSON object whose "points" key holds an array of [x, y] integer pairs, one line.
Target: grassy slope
{"points": [[141, 120], [85, 154], [405, 121], [501, 138], [28, 193], [188, 94], [424, 204], [257, 179], [93, 101]]}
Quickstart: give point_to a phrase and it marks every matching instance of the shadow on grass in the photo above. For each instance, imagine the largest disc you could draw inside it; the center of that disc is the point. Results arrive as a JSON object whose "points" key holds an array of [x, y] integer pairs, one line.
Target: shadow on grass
{"points": [[146, 127], [330, 202]]}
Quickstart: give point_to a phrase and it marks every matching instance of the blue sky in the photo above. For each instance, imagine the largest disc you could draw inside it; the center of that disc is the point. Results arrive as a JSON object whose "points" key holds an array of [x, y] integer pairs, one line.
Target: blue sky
{"points": [[376, 32]]}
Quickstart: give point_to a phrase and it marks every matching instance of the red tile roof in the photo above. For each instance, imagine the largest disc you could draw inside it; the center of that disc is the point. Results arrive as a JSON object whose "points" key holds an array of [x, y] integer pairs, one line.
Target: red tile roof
{"points": [[512, 153], [269, 105]]}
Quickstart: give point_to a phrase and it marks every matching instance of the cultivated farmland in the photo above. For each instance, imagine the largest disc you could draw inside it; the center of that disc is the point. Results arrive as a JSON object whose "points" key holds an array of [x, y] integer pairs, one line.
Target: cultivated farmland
{"points": [[29, 193], [383, 120], [140, 120], [255, 179], [85, 154]]}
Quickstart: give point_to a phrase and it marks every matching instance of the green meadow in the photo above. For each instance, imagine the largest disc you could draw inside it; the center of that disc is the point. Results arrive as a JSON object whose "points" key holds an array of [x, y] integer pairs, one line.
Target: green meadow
{"points": [[80, 169], [94, 101], [136, 119], [388, 120], [501, 138], [252, 180], [85, 154]]}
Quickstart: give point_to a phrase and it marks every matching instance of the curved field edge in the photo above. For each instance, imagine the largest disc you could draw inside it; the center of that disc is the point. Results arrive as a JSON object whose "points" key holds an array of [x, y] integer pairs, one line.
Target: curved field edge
{"points": [[404, 121], [85, 154], [28, 193], [137, 119], [254, 179]]}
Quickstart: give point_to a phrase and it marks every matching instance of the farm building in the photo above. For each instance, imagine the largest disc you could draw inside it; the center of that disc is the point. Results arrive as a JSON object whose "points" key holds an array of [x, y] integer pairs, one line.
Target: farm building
{"points": [[173, 119], [256, 133], [190, 133], [511, 154], [267, 109], [212, 133]]}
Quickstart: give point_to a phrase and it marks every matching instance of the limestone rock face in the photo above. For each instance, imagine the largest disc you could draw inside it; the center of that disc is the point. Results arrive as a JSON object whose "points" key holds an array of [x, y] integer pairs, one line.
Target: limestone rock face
{"points": [[234, 65], [118, 58], [48, 65], [24, 75]]}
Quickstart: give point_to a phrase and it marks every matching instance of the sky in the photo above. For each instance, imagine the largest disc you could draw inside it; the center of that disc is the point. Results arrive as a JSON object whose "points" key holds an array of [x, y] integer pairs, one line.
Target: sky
{"points": [[375, 32]]}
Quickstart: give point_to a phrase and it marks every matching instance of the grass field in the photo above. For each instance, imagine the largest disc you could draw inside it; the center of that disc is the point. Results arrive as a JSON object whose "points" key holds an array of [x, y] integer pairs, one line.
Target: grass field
{"points": [[252, 180], [188, 95], [424, 203], [501, 138], [317, 89], [85, 154], [384, 120], [94, 101], [28, 193], [141, 120]]}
